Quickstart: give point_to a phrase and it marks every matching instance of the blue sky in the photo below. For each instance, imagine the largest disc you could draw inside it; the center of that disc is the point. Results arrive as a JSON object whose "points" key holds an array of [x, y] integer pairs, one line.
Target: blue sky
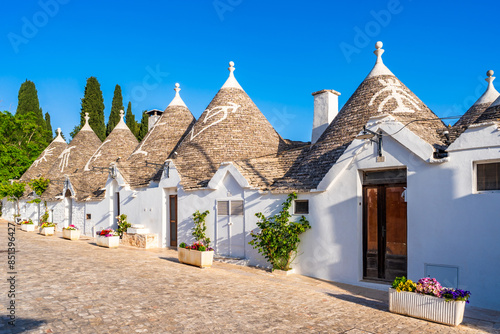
{"points": [[283, 51]]}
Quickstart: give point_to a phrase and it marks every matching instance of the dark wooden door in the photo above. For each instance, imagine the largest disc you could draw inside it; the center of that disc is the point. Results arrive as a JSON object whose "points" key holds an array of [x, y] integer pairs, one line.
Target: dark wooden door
{"points": [[384, 231], [173, 220]]}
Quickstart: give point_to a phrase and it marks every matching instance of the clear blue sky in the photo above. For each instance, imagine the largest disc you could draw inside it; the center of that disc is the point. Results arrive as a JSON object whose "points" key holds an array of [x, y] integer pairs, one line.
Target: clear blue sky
{"points": [[283, 51]]}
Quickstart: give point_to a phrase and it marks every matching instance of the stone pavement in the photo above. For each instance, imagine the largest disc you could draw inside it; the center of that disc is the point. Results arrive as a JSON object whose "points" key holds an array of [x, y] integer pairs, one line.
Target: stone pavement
{"points": [[67, 286]]}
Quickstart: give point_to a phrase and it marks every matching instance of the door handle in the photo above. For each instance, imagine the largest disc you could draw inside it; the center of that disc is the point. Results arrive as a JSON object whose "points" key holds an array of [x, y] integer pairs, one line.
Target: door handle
{"points": [[230, 224]]}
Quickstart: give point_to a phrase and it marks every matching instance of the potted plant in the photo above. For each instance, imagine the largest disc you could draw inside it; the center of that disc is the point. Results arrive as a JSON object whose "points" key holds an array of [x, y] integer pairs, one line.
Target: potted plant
{"points": [[199, 254], [108, 238], [278, 238], [71, 232], [28, 226], [47, 229], [428, 300], [123, 225]]}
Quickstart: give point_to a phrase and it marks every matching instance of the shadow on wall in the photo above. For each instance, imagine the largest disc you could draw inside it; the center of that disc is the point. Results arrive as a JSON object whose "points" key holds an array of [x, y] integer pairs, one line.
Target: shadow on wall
{"points": [[22, 325]]}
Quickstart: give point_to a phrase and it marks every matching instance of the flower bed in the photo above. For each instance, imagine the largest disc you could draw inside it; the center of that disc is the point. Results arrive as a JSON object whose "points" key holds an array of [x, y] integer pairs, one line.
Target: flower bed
{"points": [[47, 229], [108, 238], [71, 233], [428, 300], [28, 226]]}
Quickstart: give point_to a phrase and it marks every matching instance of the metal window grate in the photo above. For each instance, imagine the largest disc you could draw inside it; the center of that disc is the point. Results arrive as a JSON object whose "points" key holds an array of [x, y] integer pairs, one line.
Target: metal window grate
{"points": [[488, 176], [301, 207]]}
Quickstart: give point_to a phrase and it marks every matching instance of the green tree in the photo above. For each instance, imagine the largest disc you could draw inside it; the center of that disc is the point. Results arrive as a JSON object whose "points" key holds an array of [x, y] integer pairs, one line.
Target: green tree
{"points": [[278, 238], [93, 103], [116, 106], [143, 129], [130, 120], [28, 100], [13, 191], [50, 133]]}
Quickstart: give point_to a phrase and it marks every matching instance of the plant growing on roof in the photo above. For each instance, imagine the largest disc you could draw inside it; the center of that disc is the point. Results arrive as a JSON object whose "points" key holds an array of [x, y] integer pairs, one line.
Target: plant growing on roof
{"points": [[278, 238], [200, 227], [123, 225]]}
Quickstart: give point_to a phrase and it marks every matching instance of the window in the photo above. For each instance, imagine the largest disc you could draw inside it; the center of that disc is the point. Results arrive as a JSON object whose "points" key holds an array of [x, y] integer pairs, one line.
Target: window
{"points": [[301, 207], [223, 208], [89, 216], [488, 176], [236, 208]]}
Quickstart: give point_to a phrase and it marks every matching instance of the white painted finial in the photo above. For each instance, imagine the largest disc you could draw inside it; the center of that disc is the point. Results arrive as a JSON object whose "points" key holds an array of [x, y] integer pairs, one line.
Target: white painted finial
{"points": [[231, 81], [379, 68], [121, 124], [59, 138], [491, 94], [86, 126], [379, 51], [177, 101]]}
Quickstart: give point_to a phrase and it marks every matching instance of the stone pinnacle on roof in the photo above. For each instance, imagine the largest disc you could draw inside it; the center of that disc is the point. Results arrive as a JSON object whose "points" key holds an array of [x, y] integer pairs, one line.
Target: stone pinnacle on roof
{"points": [[59, 138], [379, 68], [491, 93], [231, 81], [86, 126], [177, 101], [121, 124]]}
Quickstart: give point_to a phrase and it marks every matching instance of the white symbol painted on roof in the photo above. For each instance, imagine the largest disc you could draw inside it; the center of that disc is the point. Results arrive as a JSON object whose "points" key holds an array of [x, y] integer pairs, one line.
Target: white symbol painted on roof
{"points": [[214, 112], [96, 155], [396, 92], [65, 157], [139, 150], [46, 153]]}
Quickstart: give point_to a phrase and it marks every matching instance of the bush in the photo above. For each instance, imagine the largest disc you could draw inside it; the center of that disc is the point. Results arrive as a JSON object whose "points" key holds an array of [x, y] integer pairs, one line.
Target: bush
{"points": [[278, 238], [182, 245]]}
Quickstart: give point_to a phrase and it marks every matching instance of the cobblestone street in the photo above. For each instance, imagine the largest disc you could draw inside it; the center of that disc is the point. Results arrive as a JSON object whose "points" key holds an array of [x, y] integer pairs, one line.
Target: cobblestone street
{"points": [[67, 286]]}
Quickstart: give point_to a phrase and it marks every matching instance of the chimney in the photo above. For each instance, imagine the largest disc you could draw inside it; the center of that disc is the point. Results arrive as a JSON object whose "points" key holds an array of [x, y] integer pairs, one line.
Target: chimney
{"points": [[154, 115], [326, 107]]}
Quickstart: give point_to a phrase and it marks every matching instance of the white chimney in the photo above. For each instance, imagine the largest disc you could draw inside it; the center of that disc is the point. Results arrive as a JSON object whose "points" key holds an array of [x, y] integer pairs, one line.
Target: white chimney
{"points": [[326, 107], [154, 116]]}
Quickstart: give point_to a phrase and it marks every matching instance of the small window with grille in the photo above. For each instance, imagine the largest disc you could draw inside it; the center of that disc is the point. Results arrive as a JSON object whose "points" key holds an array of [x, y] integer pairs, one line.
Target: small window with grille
{"points": [[301, 207], [236, 208], [222, 208], [488, 176]]}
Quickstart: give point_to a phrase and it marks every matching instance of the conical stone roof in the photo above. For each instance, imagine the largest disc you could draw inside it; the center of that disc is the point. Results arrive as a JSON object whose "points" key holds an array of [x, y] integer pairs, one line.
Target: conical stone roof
{"points": [[41, 166], [380, 93], [231, 128], [477, 109], [120, 143], [491, 114], [72, 159], [159, 143]]}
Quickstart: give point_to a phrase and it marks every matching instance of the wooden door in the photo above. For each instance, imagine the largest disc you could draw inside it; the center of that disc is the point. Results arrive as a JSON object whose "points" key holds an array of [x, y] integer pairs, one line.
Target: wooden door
{"points": [[173, 220], [384, 231]]}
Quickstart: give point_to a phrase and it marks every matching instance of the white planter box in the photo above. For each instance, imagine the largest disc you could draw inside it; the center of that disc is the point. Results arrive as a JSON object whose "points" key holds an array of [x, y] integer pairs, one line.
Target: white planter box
{"points": [[426, 307], [283, 272], [71, 234], [109, 242], [196, 258], [47, 231], [28, 227]]}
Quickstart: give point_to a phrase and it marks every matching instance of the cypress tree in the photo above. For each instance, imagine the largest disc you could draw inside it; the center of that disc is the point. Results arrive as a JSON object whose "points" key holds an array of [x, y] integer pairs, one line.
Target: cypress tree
{"points": [[93, 103], [144, 126], [130, 120], [28, 101], [116, 106], [48, 127]]}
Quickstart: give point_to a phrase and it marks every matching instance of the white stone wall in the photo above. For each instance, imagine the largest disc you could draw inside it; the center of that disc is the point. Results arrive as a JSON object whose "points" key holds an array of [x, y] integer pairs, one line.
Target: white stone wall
{"points": [[8, 210]]}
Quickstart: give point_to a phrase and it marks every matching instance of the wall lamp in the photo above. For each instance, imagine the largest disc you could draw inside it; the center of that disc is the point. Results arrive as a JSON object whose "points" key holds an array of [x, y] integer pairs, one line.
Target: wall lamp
{"points": [[369, 134]]}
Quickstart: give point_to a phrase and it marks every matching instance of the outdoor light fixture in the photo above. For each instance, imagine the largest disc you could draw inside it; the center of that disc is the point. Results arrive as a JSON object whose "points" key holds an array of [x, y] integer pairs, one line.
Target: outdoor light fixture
{"points": [[369, 134]]}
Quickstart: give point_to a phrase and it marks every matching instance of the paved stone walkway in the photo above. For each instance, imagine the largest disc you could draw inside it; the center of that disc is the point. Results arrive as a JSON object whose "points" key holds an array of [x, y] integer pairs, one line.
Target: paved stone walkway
{"points": [[67, 286]]}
